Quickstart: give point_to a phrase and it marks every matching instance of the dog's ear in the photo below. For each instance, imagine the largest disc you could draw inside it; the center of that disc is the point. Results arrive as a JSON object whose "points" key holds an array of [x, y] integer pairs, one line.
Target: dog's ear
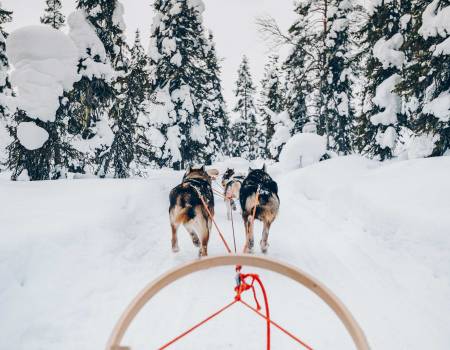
{"points": [[264, 168], [203, 168]]}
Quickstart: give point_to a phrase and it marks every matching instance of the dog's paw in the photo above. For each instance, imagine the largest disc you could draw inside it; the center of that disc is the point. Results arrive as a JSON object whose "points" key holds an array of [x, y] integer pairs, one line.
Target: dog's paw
{"points": [[175, 249], [264, 247]]}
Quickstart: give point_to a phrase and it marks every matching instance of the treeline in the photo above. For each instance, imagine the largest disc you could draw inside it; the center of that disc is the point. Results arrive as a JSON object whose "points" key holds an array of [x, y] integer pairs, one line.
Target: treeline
{"points": [[368, 79]]}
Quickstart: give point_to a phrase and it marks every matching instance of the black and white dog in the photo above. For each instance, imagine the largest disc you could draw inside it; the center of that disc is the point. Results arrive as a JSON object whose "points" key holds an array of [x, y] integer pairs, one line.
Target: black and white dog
{"points": [[231, 183], [186, 207], [267, 205]]}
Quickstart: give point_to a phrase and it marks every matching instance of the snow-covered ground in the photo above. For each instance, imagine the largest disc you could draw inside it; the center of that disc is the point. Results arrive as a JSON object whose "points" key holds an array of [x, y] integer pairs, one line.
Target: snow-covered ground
{"points": [[74, 253]]}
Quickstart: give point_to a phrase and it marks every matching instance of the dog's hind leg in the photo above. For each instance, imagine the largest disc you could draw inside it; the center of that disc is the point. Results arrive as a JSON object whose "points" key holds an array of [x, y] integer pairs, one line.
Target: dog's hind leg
{"points": [[191, 230], [174, 228], [265, 236], [205, 240], [249, 234]]}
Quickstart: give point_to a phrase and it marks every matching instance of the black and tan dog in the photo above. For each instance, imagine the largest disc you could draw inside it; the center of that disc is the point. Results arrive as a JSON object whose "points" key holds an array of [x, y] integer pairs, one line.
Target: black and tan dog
{"points": [[231, 183], [186, 207], [267, 205]]}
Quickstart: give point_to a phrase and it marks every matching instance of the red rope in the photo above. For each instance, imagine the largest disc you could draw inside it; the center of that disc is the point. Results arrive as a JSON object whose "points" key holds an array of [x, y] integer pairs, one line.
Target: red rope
{"points": [[215, 224], [277, 326], [197, 325]]}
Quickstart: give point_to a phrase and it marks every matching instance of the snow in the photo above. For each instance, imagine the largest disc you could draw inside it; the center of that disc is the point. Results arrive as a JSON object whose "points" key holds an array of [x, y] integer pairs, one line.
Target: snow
{"points": [[302, 150], [169, 45], [117, 17], [439, 107], [31, 136], [388, 138], [176, 59], [387, 51], [44, 61], [198, 131], [197, 5], [388, 100], [443, 48], [435, 21], [375, 233], [283, 127], [90, 47], [421, 146]]}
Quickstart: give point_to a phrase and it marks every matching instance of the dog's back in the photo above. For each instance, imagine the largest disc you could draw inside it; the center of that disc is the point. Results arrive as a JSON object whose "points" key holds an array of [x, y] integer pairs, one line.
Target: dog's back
{"points": [[268, 200]]}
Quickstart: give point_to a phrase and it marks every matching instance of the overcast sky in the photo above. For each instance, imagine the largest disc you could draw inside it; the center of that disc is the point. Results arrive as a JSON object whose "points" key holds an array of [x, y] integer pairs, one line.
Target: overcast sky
{"points": [[232, 21]]}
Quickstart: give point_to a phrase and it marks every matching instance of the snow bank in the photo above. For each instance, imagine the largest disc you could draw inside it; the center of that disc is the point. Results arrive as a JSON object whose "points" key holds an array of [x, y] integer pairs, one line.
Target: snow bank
{"points": [[45, 64], [407, 198], [302, 150]]}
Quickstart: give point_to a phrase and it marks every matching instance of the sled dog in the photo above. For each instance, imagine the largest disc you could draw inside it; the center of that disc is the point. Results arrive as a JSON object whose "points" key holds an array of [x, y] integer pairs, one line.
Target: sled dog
{"points": [[186, 207], [267, 206], [231, 183]]}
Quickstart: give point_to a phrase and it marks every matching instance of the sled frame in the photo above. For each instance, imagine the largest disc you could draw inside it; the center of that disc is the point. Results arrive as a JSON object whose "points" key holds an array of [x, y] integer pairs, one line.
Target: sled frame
{"points": [[270, 264]]}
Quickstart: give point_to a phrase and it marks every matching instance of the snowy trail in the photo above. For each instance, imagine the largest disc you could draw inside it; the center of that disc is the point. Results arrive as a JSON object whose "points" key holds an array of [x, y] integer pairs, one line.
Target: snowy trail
{"points": [[69, 270]]}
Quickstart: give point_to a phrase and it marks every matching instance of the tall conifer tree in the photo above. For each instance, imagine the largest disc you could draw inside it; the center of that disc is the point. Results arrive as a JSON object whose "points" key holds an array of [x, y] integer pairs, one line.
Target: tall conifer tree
{"points": [[53, 15], [178, 47], [271, 101], [246, 137]]}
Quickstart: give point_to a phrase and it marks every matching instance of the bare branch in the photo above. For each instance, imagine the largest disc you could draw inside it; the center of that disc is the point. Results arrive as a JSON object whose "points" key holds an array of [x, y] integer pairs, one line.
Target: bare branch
{"points": [[271, 32]]}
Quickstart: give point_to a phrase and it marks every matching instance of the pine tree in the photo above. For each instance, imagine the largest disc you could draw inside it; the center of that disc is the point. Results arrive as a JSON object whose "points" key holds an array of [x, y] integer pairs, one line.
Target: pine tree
{"points": [[52, 156], [216, 117], [92, 96], [426, 83], [5, 84], [379, 125], [271, 101], [299, 67], [336, 88], [131, 87], [53, 15], [246, 137], [178, 47]]}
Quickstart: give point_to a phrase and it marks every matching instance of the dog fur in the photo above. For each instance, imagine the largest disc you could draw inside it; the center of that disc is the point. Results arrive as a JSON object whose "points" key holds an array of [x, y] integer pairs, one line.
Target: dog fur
{"points": [[267, 206], [186, 208], [231, 182]]}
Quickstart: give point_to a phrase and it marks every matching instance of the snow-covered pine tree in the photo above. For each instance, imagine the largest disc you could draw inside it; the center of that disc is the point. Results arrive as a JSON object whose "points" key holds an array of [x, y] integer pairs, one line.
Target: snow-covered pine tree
{"points": [[177, 52], [40, 148], [299, 68], [246, 136], [5, 84], [140, 85], [426, 83], [131, 89], [271, 101], [92, 95], [214, 110], [379, 123], [337, 114], [53, 15]]}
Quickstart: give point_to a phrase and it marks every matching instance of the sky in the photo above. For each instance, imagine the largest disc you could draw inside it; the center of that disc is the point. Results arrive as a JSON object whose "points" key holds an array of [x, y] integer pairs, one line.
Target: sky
{"points": [[231, 21]]}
